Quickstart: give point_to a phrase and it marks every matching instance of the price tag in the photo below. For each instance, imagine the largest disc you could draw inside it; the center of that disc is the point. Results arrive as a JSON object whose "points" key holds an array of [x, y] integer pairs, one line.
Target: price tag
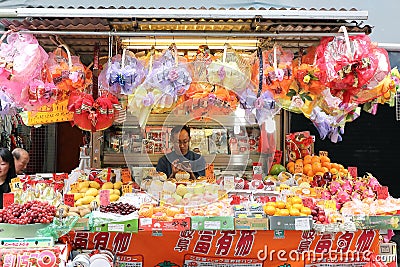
{"points": [[113, 227], [212, 225], [126, 189], [104, 197], [16, 186], [323, 153], [210, 173], [126, 176], [8, 199], [229, 182], [352, 171], [69, 200], [298, 167], [60, 177], [330, 204], [284, 187], [382, 192], [302, 224]]}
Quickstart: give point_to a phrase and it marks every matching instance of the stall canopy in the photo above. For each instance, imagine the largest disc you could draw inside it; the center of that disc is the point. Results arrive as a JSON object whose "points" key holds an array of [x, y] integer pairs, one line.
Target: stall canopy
{"points": [[79, 25]]}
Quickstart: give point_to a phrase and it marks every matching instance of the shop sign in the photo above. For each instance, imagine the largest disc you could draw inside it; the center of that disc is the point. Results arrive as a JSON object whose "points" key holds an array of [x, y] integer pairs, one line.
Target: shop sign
{"points": [[58, 112], [46, 257]]}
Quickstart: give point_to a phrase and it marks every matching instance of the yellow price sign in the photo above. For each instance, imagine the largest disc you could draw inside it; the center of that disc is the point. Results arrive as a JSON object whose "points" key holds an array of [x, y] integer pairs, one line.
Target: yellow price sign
{"points": [[126, 188], [16, 186], [323, 153], [284, 187]]}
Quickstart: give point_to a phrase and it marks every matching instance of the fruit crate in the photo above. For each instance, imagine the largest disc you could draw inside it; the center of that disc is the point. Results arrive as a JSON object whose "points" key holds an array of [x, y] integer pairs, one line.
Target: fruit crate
{"points": [[212, 223], [130, 226], [251, 224], [149, 224], [290, 223]]}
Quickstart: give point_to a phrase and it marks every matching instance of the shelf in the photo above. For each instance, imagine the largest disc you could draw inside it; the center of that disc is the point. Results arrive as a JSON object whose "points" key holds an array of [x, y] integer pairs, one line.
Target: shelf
{"points": [[172, 120], [229, 162]]}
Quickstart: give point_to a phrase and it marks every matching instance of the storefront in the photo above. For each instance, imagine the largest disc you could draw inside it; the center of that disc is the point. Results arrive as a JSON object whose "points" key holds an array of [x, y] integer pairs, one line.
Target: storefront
{"points": [[222, 231]]}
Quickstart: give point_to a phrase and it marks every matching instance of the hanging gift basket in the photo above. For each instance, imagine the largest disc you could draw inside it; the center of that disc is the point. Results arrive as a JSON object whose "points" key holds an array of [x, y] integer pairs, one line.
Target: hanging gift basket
{"points": [[92, 114], [350, 63], [168, 78], [21, 60], [66, 72], [122, 73]]}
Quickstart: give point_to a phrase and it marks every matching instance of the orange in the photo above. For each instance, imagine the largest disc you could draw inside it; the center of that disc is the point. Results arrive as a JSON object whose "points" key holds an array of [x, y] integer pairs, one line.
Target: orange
{"points": [[325, 159], [310, 173], [316, 166], [315, 159], [273, 204], [290, 166], [335, 165], [319, 173], [325, 169], [326, 164], [269, 210], [307, 159], [297, 206], [299, 161], [341, 167], [307, 168], [297, 200]]}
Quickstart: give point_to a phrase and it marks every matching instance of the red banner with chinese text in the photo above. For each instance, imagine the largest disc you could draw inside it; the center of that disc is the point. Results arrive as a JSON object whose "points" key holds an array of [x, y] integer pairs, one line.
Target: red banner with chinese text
{"points": [[228, 248]]}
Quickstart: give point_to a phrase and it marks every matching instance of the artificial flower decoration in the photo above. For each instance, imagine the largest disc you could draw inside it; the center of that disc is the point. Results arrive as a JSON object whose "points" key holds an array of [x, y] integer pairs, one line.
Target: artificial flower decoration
{"points": [[265, 107], [7, 105]]}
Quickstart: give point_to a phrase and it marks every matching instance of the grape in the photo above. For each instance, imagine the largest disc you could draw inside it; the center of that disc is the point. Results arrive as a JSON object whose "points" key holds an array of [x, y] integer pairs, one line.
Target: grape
{"points": [[119, 208], [27, 213]]}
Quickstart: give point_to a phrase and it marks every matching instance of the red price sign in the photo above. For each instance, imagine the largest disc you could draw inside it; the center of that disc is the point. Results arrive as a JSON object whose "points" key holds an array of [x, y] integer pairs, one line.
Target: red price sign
{"points": [[382, 192], [60, 177], [126, 176], [104, 197], [69, 200], [8, 199], [352, 171]]}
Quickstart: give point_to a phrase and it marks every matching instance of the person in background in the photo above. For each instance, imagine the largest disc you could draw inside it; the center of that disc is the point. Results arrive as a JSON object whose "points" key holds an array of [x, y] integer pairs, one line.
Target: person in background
{"points": [[181, 158], [7, 172], [21, 159]]}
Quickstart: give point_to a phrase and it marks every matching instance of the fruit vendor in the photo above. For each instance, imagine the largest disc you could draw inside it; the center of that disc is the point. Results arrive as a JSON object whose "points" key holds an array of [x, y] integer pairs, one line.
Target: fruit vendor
{"points": [[7, 172], [21, 159], [181, 158]]}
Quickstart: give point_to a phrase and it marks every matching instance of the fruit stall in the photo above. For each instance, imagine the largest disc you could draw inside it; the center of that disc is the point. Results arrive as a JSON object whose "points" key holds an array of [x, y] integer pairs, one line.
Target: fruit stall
{"points": [[267, 198]]}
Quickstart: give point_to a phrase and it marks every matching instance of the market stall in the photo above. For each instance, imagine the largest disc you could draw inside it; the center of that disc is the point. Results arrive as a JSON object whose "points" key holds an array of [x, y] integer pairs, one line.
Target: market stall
{"points": [[267, 199]]}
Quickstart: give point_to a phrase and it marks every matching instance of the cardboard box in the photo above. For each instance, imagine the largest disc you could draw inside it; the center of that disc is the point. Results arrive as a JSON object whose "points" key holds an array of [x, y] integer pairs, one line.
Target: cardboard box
{"points": [[212, 223], [290, 223], [251, 224], [82, 224], [30, 242], [130, 226], [20, 230], [149, 224], [377, 222]]}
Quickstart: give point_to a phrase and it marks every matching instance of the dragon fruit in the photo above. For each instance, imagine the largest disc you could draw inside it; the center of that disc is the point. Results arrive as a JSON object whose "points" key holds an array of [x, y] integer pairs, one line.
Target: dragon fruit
{"points": [[342, 196], [373, 183], [334, 187], [326, 195], [369, 193], [346, 186], [358, 185]]}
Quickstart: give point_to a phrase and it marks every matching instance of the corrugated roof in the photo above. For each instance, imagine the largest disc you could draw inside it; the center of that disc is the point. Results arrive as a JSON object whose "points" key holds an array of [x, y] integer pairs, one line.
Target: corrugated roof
{"points": [[291, 27]]}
